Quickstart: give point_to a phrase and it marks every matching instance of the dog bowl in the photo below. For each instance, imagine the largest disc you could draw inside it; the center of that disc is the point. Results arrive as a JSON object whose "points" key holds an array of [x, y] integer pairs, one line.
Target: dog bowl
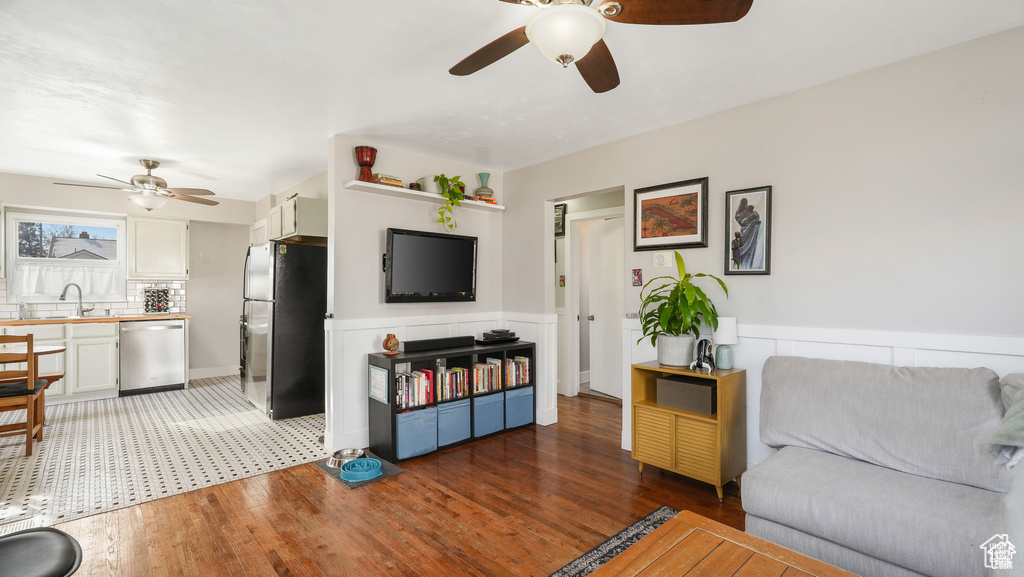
{"points": [[343, 456]]}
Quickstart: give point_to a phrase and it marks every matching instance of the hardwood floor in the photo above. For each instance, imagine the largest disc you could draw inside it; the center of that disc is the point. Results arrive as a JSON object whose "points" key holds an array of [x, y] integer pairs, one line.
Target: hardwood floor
{"points": [[522, 503]]}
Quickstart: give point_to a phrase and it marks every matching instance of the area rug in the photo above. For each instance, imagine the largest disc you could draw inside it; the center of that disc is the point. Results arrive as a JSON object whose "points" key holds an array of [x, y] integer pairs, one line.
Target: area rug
{"points": [[387, 469], [591, 560], [98, 456]]}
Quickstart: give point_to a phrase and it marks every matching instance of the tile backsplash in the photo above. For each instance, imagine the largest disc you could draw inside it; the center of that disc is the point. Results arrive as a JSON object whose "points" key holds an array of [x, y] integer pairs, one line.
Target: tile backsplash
{"points": [[135, 305]]}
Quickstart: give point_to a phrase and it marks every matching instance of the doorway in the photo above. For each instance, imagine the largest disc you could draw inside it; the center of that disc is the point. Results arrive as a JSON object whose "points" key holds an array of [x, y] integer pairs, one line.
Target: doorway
{"points": [[590, 322]]}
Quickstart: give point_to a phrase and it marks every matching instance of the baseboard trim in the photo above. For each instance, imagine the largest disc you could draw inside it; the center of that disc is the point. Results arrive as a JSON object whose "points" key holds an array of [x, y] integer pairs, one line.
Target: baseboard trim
{"points": [[206, 373]]}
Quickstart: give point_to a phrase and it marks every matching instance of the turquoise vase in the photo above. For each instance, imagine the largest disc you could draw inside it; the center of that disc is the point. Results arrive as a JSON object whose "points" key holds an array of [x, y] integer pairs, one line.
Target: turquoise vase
{"points": [[484, 191]]}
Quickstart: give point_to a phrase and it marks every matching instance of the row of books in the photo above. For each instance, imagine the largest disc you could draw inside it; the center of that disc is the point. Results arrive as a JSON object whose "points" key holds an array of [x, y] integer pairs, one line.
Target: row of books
{"points": [[517, 371], [487, 376], [426, 387], [380, 178]]}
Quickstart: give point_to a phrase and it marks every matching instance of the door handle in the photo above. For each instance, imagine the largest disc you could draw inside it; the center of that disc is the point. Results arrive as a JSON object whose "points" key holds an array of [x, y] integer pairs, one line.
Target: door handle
{"points": [[590, 318]]}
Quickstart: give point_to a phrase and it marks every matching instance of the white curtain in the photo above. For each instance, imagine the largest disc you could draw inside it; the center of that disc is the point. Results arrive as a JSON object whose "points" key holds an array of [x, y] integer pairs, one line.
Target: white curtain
{"points": [[34, 281]]}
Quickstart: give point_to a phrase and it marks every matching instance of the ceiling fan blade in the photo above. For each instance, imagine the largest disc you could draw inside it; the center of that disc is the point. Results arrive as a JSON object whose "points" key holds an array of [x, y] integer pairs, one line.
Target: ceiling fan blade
{"points": [[598, 68], [194, 199], [492, 53], [117, 179], [681, 11], [90, 185], [191, 191]]}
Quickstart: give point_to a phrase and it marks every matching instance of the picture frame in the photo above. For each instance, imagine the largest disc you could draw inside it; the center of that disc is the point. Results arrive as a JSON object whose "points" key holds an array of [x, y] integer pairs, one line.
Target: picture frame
{"points": [[560, 219], [670, 216], [377, 383], [748, 231]]}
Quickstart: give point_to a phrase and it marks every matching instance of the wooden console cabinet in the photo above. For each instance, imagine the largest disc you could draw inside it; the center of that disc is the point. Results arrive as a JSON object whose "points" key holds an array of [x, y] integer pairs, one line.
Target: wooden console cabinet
{"points": [[709, 448]]}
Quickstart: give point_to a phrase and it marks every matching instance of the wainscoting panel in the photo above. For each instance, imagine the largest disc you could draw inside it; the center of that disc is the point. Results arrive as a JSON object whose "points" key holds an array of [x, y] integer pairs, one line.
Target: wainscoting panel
{"points": [[350, 341], [1004, 355]]}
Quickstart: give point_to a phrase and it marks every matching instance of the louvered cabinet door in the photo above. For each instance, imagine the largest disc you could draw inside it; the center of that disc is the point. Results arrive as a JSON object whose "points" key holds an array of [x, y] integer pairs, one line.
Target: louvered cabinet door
{"points": [[653, 439], [696, 449]]}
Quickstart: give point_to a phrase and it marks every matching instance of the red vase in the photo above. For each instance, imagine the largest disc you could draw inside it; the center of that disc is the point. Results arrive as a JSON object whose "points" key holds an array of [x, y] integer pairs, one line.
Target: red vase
{"points": [[366, 156]]}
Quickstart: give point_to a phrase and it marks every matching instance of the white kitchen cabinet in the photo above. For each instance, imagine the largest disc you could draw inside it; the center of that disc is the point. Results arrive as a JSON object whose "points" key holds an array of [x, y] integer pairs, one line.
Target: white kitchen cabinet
{"points": [[258, 232], [157, 248], [300, 216], [92, 359], [90, 363], [274, 222]]}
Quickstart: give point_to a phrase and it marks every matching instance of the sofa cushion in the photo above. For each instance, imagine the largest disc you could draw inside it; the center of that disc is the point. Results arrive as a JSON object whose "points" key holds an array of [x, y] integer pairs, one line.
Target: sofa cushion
{"points": [[924, 525], [822, 550], [933, 422]]}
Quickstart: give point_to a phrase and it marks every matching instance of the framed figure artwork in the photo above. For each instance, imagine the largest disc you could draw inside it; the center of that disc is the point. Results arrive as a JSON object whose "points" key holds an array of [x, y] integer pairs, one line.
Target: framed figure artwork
{"points": [[748, 231], [669, 216], [560, 220]]}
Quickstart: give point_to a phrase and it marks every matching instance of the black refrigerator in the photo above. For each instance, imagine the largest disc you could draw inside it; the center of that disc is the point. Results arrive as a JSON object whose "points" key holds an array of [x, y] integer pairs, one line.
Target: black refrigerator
{"points": [[282, 328]]}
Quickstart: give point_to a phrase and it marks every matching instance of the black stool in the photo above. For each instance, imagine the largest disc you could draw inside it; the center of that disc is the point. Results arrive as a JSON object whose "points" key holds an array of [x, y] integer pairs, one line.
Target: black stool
{"points": [[41, 552]]}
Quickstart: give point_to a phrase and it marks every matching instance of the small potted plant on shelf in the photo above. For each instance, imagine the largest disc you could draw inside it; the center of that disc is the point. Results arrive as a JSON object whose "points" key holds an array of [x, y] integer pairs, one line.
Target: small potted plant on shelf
{"points": [[672, 312], [451, 190]]}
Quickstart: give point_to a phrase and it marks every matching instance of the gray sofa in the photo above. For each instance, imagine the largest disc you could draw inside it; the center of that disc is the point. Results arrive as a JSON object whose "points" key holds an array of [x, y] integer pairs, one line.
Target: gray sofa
{"points": [[884, 471]]}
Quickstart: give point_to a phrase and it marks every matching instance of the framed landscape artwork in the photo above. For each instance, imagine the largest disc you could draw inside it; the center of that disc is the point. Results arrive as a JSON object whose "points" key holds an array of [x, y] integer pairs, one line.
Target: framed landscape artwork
{"points": [[748, 231], [559, 220], [673, 215]]}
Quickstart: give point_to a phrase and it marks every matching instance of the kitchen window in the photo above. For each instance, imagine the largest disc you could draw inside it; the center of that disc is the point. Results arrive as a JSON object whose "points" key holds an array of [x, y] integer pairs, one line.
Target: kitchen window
{"points": [[46, 250]]}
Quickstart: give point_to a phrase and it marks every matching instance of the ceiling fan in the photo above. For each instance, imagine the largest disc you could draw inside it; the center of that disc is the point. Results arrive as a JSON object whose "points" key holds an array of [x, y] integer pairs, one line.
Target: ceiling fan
{"points": [[151, 191], [567, 30]]}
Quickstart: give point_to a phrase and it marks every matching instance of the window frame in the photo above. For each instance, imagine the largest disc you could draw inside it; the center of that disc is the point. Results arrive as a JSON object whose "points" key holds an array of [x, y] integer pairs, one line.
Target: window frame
{"points": [[12, 259]]}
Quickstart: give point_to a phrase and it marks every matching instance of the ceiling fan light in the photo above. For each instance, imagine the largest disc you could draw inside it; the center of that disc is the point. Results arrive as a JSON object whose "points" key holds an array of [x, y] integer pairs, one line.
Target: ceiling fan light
{"points": [[148, 201], [566, 32]]}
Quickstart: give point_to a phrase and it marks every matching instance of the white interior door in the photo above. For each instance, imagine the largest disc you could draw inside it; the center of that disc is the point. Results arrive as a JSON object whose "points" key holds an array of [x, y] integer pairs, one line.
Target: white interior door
{"points": [[606, 307]]}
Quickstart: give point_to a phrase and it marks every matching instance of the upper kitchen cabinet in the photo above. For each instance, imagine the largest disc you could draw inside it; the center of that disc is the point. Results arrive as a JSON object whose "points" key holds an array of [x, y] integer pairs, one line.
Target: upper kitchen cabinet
{"points": [[258, 232], [298, 217], [274, 222], [157, 248]]}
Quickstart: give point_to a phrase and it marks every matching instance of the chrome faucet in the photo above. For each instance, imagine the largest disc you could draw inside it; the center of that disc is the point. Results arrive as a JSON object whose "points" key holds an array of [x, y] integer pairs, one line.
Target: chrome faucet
{"points": [[64, 297]]}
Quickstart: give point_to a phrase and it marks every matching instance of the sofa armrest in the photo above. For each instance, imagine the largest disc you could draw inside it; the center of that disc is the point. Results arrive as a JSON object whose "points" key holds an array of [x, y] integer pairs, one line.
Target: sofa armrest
{"points": [[1013, 509]]}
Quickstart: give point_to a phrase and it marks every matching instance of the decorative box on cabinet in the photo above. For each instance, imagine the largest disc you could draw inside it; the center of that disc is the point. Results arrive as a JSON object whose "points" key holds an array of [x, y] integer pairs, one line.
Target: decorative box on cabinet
{"points": [[519, 407], [454, 422], [488, 414], [416, 433], [446, 421], [710, 448]]}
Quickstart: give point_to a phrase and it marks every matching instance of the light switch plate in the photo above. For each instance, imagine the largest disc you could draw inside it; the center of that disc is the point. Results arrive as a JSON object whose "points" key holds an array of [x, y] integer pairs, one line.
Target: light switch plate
{"points": [[662, 260]]}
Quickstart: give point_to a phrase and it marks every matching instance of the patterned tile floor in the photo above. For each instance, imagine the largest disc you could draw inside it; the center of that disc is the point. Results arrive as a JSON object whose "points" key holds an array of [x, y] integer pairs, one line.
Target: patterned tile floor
{"points": [[98, 456]]}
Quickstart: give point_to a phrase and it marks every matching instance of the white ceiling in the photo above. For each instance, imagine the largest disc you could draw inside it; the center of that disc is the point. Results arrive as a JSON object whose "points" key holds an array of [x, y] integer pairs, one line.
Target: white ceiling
{"points": [[240, 96]]}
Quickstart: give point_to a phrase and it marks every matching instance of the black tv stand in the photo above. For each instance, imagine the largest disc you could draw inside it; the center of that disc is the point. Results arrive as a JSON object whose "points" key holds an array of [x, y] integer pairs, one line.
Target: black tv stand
{"points": [[468, 400]]}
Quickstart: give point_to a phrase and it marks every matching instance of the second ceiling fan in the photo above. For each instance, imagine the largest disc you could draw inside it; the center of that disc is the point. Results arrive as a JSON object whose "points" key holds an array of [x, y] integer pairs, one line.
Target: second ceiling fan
{"points": [[566, 31]]}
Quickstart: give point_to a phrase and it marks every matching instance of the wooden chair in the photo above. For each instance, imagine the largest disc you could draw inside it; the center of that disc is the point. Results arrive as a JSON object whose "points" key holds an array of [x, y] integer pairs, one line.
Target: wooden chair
{"points": [[21, 389]]}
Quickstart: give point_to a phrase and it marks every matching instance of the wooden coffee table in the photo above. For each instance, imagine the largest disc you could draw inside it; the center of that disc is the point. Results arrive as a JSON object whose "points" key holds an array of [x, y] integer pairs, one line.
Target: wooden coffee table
{"points": [[689, 544]]}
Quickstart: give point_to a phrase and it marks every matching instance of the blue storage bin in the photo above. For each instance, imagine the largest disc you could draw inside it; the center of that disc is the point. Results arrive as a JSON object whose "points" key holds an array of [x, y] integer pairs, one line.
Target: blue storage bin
{"points": [[453, 422], [416, 432], [518, 407], [488, 414]]}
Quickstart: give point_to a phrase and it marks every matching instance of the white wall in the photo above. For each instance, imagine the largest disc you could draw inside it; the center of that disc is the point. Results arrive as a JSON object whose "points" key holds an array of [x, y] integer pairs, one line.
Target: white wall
{"points": [[216, 259], [357, 224], [897, 200]]}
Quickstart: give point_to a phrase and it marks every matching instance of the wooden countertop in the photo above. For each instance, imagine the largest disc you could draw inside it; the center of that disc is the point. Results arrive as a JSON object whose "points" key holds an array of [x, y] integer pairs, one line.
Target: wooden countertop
{"points": [[117, 319]]}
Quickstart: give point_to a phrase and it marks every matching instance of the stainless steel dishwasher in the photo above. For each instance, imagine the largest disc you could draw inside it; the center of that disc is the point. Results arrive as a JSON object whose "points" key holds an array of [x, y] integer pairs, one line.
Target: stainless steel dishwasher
{"points": [[152, 356]]}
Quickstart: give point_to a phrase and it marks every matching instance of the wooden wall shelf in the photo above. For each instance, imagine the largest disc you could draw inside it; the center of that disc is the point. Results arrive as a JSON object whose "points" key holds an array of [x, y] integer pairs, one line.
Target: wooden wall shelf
{"points": [[386, 190]]}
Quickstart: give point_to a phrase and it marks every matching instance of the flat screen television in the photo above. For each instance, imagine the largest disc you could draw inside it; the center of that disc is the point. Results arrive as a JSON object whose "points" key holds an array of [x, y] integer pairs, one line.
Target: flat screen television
{"points": [[423, 267]]}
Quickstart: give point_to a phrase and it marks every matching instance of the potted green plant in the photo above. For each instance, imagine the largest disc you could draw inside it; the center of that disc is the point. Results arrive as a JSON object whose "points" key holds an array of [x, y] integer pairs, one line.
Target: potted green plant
{"points": [[672, 311], [451, 190]]}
